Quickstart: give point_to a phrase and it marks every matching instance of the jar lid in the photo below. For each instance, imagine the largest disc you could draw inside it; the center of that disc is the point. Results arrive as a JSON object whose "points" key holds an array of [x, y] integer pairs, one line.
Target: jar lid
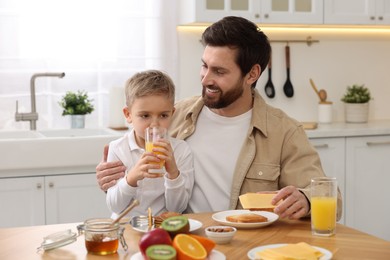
{"points": [[58, 239]]}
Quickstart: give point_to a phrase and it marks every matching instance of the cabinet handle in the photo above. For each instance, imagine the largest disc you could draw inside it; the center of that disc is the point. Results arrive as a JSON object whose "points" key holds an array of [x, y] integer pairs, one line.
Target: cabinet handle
{"points": [[257, 16], [321, 146], [51, 185], [266, 16], [39, 186], [378, 143], [380, 18], [372, 17]]}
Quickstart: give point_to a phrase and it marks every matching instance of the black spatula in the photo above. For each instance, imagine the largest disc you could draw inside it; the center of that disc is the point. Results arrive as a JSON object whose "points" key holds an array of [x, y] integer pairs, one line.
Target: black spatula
{"points": [[269, 86], [288, 87]]}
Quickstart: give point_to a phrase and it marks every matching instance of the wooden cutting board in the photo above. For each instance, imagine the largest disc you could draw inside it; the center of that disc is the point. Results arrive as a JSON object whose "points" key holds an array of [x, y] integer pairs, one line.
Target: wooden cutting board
{"points": [[309, 125]]}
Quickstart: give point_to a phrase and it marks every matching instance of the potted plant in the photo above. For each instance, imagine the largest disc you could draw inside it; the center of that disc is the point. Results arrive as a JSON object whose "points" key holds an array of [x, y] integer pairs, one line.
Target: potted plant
{"points": [[356, 99], [77, 105]]}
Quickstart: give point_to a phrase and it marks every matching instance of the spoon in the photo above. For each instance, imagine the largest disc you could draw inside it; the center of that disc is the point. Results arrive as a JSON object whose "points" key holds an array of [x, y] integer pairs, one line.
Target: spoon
{"points": [[320, 93], [127, 210], [288, 87], [323, 95], [269, 86]]}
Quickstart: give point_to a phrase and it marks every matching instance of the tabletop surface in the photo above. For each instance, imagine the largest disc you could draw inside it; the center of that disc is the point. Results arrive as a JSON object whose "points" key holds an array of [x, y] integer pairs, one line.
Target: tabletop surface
{"points": [[348, 243]]}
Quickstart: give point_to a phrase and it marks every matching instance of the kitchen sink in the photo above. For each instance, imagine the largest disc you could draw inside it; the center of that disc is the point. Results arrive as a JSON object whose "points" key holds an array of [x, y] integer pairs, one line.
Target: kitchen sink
{"points": [[19, 134], [67, 150], [85, 132]]}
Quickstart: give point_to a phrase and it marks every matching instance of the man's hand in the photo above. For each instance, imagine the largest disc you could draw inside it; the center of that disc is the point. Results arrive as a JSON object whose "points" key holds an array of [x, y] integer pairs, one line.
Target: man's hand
{"points": [[107, 173], [294, 204]]}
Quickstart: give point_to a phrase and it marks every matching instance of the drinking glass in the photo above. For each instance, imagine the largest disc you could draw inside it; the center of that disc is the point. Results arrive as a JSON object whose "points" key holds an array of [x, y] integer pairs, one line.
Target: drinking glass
{"points": [[152, 135], [323, 206]]}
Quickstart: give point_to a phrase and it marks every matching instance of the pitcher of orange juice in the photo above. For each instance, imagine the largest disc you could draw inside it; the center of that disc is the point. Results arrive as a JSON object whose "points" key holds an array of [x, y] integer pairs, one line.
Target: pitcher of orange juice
{"points": [[323, 206], [152, 135]]}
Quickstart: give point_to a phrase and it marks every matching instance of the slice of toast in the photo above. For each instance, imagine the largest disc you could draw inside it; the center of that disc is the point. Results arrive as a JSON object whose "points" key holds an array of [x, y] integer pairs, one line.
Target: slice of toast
{"points": [[246, 218]]}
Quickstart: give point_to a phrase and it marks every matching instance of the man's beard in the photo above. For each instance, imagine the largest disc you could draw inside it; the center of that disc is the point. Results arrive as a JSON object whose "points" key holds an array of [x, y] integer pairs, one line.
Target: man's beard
{"points": [[225, 99]]}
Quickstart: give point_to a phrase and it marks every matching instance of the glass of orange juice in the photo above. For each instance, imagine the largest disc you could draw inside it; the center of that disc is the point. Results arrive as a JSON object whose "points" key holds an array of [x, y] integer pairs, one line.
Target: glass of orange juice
{"points": [[152, 135], [323, 206]]}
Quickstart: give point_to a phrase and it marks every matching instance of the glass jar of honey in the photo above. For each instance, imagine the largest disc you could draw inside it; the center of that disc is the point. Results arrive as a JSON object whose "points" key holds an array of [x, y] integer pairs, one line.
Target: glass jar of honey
{"points": [[102, 237]]}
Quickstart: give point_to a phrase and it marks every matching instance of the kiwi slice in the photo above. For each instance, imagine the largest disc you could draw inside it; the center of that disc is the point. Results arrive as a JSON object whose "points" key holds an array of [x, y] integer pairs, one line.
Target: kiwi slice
{"points": [[161, 252], [176, 225]]}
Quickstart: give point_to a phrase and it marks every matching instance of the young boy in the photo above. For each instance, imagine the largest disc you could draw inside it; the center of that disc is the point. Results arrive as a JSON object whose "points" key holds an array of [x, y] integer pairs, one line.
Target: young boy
{"points": [[150, 103]]}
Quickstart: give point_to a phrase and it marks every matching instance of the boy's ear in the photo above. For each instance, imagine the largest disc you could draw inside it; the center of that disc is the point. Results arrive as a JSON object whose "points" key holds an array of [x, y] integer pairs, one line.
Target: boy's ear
{"points": [[173, 111], [127, 114]]}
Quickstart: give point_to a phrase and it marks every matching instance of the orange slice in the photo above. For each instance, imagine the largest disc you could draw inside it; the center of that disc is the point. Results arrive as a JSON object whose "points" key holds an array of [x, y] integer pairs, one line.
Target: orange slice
{"points": [[208, 244], [188, 248]]}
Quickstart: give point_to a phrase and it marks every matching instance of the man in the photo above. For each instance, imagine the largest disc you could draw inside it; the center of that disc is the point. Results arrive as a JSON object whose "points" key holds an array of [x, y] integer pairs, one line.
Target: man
{"points": [[240, 144]]}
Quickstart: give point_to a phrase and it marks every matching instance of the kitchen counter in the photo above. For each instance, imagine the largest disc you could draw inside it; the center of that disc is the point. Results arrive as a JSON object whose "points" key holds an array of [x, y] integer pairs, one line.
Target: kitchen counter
{"points": [[342, 129]]}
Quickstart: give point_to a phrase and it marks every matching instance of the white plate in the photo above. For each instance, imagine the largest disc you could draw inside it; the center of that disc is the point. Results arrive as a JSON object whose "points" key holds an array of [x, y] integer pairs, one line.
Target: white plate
{"points": [[252, 253], [214, 255], [221, 218], [194, 225]]}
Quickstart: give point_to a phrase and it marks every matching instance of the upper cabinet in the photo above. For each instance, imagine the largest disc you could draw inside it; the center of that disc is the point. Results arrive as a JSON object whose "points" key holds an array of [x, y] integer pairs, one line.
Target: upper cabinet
{"points": [[364, 12], [331, 12], [265, 11], [291, 11]]}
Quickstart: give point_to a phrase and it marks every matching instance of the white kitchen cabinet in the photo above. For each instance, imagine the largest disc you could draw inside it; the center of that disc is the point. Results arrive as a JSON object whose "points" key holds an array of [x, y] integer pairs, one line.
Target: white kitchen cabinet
{"points": [[292, 11], [265, 11], [74, 198], [50, 200], [359, 12], [367, 186], [332, 155], [22, 201]]}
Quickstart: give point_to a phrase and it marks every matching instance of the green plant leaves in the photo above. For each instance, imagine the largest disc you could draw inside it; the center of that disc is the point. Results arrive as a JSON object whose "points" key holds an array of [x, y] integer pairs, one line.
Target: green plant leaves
{"points": [[357, 94], [76, 103]]}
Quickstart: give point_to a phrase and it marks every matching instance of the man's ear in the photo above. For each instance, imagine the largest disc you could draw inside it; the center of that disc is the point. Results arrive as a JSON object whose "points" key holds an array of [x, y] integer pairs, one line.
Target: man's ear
{"points": [[254, 74]]}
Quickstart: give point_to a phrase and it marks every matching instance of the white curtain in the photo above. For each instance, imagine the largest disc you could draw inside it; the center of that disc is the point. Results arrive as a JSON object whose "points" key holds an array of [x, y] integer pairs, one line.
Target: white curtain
{"points": [[99, 44]]}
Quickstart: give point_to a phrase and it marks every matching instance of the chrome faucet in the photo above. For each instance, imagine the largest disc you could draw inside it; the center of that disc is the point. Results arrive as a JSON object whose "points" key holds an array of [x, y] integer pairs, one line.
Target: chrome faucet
{"points": [[33, 115]]}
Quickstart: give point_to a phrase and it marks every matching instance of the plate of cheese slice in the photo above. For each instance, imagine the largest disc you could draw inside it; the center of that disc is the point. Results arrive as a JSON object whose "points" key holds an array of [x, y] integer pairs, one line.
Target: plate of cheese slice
{"points": [[290, 251]]}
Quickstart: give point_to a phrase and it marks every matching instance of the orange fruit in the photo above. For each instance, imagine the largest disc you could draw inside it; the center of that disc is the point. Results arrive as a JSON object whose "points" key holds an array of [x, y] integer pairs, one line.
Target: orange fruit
{"points": [[188, 248], [208, 244]]}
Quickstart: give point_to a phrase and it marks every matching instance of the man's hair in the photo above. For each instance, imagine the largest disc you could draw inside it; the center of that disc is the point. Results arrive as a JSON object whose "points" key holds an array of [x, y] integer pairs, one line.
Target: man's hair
{"points": [[238, 33], [149, 83]]}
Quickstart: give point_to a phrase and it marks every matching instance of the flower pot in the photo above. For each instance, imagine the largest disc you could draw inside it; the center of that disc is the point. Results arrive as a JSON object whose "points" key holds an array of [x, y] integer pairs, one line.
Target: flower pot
{"points": [[356, 112], [77, 121]]}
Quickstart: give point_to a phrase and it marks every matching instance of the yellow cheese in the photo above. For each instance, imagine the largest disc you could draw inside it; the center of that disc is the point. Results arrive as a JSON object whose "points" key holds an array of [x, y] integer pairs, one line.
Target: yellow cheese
{"points": [[300, 251], [257, 200]]}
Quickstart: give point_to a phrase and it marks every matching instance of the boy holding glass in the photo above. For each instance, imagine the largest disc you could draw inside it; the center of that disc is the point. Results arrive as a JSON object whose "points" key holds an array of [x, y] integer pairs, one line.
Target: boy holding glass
{"points": [[150, 103]]}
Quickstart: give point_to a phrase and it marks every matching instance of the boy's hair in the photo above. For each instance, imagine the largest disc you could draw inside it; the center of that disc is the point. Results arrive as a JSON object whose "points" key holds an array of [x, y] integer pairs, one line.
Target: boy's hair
{"points": [[148, 83], [238, 33]]}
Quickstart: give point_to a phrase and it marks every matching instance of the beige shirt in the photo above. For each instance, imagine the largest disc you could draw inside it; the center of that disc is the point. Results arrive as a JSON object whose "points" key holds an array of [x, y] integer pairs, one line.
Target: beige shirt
{"points": [[277, 152]]}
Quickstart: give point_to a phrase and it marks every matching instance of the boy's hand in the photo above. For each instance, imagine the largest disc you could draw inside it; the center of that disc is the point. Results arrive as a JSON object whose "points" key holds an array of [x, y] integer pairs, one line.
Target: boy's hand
{"points": [[164, 147], [141, 169]]}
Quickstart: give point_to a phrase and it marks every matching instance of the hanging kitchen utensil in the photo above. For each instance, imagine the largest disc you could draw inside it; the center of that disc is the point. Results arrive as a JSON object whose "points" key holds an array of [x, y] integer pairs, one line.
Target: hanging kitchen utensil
{"points": [[269, 86], [288, 87]]}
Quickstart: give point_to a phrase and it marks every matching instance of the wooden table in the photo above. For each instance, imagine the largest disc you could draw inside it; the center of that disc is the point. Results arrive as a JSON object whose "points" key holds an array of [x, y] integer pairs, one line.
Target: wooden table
{"points": [[348, 243]]}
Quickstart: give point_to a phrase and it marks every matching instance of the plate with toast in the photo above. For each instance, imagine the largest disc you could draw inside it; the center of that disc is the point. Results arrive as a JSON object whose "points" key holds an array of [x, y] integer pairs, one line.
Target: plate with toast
{"points": [[245, 218]]}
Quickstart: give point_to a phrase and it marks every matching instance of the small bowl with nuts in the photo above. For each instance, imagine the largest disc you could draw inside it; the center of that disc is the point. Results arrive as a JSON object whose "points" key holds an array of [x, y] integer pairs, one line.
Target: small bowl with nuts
{"points": [[220, 234]]}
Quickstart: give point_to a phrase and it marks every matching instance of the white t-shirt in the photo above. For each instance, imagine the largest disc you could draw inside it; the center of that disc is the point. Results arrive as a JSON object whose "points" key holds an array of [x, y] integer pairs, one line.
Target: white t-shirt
{"points": [[161, 194], [215, 144]]}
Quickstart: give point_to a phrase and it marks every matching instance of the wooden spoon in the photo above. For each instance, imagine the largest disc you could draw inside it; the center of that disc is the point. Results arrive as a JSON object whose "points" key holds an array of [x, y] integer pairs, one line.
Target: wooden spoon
{"points": [[323, 95], [127, 210], [320, 93]]}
